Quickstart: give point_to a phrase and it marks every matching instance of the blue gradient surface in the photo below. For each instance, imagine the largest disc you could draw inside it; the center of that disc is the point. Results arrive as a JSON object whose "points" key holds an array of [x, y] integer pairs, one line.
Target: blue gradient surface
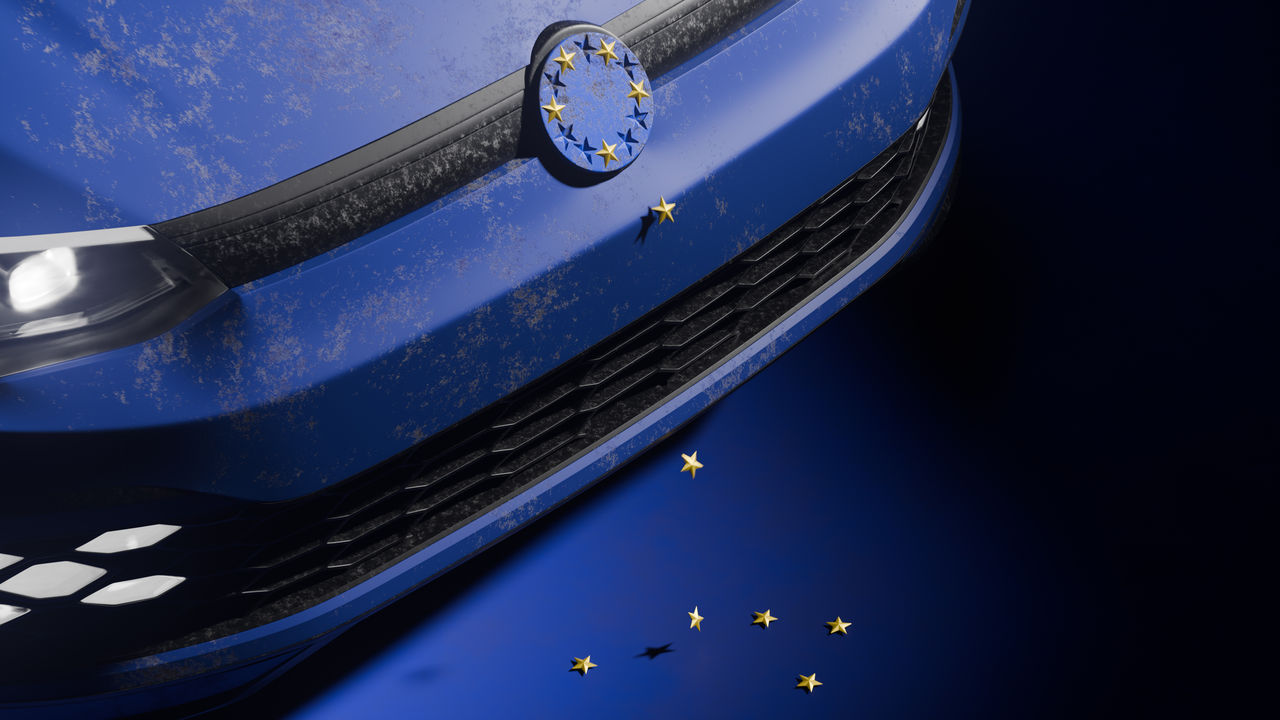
{"points": [[822, 495]]}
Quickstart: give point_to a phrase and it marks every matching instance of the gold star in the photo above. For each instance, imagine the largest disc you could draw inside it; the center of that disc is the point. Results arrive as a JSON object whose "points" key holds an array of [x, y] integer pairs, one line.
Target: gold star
{"points": [[664, 208], [606, 152], [637, 90], [808, 682], [838, 626], [553, 110], [566, 61], [606, 49], [691, 463], [763, 618], [582, 665], [695, 620]]}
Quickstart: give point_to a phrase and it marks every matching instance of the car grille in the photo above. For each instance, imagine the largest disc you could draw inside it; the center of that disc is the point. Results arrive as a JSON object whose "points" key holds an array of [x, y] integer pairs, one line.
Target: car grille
{"points": [[250, 563]]}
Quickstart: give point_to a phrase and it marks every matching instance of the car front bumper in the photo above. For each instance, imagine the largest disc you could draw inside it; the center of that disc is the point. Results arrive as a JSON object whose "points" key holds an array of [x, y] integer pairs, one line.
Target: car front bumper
{"points": [[296, 385]]}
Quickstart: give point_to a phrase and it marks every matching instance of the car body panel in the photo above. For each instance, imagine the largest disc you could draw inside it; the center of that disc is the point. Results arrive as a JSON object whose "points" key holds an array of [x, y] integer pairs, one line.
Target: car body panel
{"points": [[203, 102], [317, 372]]}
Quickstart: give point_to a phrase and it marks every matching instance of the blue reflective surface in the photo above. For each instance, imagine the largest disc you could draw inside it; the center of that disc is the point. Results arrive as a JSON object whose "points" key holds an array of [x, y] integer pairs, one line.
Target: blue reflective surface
{"points": [[825, 492], [818, 506]]}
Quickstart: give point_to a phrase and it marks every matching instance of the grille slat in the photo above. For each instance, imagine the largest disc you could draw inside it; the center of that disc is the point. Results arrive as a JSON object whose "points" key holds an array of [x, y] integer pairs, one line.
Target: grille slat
{"points": [[531, 432], [521, 461], [699, 302], [609, 393], [869, 211], [757, 252], [682, 334], [353, 533], [828, 212], [618, 365], [444, 472], [364, 551], [434, 501], [542, 402]]}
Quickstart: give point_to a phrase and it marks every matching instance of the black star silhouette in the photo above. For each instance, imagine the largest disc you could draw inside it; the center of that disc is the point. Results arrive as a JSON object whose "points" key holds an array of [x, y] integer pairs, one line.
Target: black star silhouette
{"points": [[653, 652]]}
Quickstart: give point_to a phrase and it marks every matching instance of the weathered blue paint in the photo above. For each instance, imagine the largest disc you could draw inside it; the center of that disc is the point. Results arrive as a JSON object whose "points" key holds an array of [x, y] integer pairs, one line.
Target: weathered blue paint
{"points": [[130, 112], [319, 371]]}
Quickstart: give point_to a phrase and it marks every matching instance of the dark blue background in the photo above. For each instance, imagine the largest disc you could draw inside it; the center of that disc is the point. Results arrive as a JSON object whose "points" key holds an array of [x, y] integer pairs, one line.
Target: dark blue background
{"points": [[1024, 465]]}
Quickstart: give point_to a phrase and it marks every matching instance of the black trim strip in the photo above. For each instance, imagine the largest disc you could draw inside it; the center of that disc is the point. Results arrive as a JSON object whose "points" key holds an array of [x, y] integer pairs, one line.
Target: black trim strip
{"points": [[329, 205], [955, 21]]}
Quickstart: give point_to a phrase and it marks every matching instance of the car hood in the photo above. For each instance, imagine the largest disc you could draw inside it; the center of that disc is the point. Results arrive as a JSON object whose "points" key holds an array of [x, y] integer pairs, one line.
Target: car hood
{"points": [[126, 113]]}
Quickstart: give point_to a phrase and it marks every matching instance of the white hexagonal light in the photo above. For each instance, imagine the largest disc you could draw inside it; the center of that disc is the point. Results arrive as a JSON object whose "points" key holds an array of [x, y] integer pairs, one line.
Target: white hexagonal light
{"points": [[11, 612], [7, 560], [131, 591], [128, 539], [54, 579]]}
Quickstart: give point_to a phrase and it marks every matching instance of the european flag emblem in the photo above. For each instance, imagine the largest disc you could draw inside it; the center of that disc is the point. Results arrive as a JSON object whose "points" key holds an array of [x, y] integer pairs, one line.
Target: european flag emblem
{"points": [[595, 102]]}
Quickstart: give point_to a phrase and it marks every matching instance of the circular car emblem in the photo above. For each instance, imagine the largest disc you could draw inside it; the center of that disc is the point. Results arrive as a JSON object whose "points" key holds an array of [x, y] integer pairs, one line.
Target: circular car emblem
{"points": [[594, 103]]}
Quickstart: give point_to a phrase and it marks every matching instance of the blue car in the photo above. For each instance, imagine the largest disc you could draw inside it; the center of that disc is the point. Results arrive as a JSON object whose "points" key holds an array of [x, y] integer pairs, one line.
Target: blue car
{"points": [[300, 307]]}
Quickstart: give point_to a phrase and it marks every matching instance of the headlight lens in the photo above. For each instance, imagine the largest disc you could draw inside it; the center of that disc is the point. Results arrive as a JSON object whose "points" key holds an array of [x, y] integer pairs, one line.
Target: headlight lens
{"points": [[73, 294], [43, 279]]}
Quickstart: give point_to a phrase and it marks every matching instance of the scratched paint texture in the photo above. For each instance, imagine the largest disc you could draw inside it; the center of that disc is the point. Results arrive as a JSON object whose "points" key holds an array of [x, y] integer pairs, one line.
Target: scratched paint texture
{"points": [[130, 112], [310, 375]]}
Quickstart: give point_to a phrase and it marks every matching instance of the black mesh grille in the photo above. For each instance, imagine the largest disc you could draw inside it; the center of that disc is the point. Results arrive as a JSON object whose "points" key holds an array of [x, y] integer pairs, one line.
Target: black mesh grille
{"points": [[260, 562]]}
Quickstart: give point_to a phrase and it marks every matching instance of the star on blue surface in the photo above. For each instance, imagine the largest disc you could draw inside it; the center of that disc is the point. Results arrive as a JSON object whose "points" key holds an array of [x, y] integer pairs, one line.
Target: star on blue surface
{"points": [[629, 140], [555, 82], [566, 136], [585, 44], [638, 117], [587, 150], [626, 63]]}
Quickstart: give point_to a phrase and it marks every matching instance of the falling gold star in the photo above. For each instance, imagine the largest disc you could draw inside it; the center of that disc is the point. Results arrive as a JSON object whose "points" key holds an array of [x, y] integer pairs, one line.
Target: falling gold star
{"points": [[695, 620], [637, 90], [808, 682], [606, 50], [553, 110], [664, 208], [763, 618], [838, 626], [582, 665], [691, 464], [606, 152], [565, 60]]}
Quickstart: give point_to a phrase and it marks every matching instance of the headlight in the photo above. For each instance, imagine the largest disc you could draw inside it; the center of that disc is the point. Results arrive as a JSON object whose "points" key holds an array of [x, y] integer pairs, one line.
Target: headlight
{"points": [[73, 294]]}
